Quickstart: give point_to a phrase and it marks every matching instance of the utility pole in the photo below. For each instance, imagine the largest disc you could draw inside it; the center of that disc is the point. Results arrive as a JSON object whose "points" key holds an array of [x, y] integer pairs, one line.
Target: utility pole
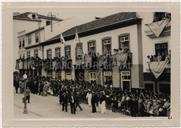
{"points": [[51, 21]]}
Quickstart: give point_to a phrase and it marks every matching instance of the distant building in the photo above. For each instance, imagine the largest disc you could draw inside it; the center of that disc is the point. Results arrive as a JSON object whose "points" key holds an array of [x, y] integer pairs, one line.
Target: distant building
{"points": [[28, 22]]}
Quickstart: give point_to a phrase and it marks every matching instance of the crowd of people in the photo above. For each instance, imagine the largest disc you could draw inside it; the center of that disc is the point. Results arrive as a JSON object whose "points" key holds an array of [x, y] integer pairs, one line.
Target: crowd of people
{"points": [[134, 102]]}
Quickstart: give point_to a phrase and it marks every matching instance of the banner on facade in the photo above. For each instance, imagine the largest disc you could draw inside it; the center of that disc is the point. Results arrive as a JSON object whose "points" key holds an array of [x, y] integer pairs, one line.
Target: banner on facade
{"points": [[157, 27], [20, 64], [120, 58], [157, 67]]}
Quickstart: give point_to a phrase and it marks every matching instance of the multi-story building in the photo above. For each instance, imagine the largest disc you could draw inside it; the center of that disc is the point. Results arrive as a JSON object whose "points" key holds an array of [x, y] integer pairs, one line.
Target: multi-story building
{"points": [[112, 50], [29, 30]]}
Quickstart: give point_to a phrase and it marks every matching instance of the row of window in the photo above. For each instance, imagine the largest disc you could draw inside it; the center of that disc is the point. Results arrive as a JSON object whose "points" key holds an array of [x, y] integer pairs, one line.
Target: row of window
{"points": [[160, 48], [22, 41], [106, 43]]}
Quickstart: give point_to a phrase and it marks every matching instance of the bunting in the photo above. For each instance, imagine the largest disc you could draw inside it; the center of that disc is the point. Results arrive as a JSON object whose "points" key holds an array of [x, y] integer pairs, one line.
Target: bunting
{"points": [[157, 27], [157, 67]]}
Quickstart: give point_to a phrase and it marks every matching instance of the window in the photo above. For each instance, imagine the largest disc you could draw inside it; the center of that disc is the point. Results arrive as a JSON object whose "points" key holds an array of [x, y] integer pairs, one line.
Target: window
{"points": [[29, 39], [92, 47], [49, 54], [161, 49], [28, 54], [124, 41], [57, 52], [48, 22], [23, 43], [37, 37], [68, 51], [106, 45], [158, 16], [79, 51], [19, 44], [36, 53]]}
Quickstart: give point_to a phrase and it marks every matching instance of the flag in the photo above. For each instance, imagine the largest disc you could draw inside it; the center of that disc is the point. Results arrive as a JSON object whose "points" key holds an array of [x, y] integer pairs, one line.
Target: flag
{"points": [[76, 39], [157, 27], [62, 39], [157, 67]]}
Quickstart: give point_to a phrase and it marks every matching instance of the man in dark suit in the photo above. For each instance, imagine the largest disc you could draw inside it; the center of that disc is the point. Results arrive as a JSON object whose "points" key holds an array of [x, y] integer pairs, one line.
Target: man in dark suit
{"points": [[72, 103], [64, 101], [93, 102], [77, 101]]}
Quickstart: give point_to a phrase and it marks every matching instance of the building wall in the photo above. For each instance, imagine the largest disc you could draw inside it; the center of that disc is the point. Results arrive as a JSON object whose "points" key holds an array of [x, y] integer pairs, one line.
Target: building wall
{"points": [[149, 43], [114, 34], [21, 27]]}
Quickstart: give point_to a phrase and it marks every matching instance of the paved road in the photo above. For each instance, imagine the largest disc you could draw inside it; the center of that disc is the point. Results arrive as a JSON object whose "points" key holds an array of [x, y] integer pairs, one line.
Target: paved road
{"points": [[48, 107]]}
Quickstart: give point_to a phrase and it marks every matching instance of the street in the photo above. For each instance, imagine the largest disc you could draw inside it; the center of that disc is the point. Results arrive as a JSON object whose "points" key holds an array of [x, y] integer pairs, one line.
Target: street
{"points": [[48, 107]]}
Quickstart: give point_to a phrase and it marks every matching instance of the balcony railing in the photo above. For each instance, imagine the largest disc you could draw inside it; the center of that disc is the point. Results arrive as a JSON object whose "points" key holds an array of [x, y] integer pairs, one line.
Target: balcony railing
{"points": [[161, 58]]}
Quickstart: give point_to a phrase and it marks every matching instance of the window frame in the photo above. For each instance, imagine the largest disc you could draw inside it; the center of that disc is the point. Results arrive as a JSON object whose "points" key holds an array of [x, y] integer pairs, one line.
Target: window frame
{"points": [[67, 46], [28, 54], [88, 46], [162, 43], [76, 55], [29, 39], [119, 40], [49, 50], [59, 52], [103, 49], [37, 34], [35, 51]]}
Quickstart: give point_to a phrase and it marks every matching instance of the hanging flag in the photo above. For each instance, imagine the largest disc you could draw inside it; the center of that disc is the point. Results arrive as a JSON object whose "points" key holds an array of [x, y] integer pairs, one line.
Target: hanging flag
{"points": [[76, 39], [157, 27], [62, 39], [157, 67]]}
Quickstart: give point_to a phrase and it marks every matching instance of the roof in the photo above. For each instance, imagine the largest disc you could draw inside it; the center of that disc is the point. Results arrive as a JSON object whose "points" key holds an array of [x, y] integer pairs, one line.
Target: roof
{"points": [[107, 23], [33, 31], [25, 16], [99, 23]]}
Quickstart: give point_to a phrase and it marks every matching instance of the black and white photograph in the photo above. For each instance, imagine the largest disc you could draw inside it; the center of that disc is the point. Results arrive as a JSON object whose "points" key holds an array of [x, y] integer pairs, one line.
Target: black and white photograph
{"points": [[92, 63]]}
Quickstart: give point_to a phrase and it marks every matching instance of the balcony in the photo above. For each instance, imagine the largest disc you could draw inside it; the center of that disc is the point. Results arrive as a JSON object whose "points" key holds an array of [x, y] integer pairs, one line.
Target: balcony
{"points": [[157, 64], [57, 62], [153, 59], [67, 64], [91, 62], [48, 64]]}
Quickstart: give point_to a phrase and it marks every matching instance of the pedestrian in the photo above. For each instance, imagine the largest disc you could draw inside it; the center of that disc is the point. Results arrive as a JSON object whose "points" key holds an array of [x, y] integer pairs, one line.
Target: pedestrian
{"points": [[93, 103], [103, 103], [64, 101], [27, 94], [21, 86], [77, 101], [72, 103], [41, 85], [16, 85], [89, 97]]}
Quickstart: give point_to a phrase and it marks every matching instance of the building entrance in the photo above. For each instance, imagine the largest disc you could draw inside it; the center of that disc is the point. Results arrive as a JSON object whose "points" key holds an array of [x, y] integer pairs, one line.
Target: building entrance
{"points": [[125, 80]]}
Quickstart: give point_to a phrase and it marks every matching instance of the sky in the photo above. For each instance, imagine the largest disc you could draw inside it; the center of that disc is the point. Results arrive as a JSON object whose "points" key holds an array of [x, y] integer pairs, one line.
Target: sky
{"points": [[83, 14]]}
